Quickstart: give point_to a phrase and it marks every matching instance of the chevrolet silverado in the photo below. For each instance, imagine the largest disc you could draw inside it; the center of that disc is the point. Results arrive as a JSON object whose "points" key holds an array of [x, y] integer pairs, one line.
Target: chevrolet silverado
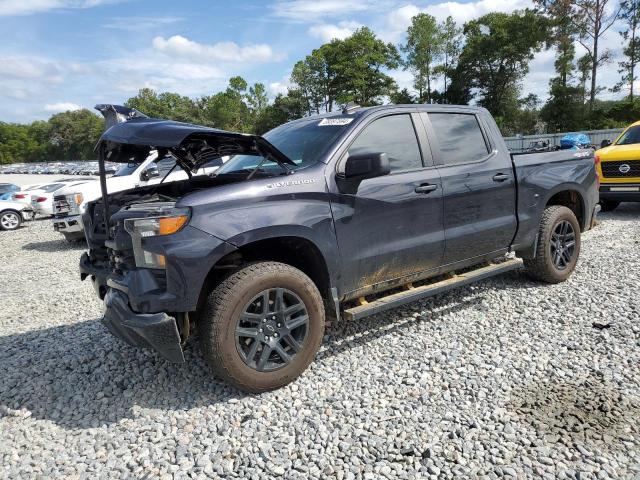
{"points": [[330, 217]]}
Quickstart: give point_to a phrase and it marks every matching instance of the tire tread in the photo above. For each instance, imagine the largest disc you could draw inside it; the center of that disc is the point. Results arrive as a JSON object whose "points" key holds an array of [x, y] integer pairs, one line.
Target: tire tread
{"points": [[219, 307]]}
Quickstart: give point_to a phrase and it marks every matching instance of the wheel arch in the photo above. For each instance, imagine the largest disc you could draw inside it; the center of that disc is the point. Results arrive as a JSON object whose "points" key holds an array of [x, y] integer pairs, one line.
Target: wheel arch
{"points": [[291, 247], [570, 196]]}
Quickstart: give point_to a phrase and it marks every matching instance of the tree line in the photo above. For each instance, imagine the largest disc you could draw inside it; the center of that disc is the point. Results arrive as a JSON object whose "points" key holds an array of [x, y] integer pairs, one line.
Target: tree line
{"points": [[482, 62]]}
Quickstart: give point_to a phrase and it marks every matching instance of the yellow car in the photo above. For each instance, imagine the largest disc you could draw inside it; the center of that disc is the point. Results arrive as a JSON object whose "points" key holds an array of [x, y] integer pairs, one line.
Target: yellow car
{"points": [[619, 169]]}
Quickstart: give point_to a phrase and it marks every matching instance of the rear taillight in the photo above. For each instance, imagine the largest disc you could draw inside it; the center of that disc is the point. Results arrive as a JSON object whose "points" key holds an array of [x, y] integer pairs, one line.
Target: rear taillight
{"points": [[41, 199], [20, 195], [596, 160]]}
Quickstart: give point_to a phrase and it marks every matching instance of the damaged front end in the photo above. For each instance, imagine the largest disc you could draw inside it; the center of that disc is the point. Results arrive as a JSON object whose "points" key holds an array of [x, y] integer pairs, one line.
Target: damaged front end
{"points": [[145, 260]]}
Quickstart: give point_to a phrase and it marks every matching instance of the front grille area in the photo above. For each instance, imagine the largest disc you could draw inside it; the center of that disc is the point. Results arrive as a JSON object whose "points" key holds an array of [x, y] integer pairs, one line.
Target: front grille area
{"points": [[613, 169]]}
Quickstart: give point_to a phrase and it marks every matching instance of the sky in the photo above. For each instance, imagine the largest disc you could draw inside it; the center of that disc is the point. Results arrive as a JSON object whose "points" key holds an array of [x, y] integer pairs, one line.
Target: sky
{"points": [[58, 55]]}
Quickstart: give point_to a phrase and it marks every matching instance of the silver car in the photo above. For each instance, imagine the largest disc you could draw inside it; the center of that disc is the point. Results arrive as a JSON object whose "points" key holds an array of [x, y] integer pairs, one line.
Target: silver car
{"points": [[12, 214]]}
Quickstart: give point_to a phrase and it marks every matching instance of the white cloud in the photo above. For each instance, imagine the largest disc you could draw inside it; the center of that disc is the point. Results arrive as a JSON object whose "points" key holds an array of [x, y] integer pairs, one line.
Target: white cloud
{"points": [[327, 32], [279, 88], [181, 47], [28, 7], [312, 10], [27, 67], [61, 107], [140, 23], [398, 20], [463, 12]]}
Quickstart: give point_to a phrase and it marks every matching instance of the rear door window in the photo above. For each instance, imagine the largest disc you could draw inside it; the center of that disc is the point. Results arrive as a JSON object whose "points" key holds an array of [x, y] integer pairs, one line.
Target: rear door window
{"points": [[460, 137], [393, 135]]}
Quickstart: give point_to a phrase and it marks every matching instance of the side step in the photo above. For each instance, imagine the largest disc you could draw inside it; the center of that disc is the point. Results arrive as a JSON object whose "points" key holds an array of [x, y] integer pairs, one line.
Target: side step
{"points": [[413, 294]]}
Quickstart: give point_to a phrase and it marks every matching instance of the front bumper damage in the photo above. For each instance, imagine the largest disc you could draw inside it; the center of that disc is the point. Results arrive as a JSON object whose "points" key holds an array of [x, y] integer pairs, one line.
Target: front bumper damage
{"points": [[70, 224], [157, 331], [150, 308]]}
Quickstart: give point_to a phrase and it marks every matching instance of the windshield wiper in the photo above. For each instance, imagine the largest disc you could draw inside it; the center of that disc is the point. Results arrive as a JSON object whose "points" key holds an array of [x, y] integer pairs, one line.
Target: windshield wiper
{"points": [[287, 170]]}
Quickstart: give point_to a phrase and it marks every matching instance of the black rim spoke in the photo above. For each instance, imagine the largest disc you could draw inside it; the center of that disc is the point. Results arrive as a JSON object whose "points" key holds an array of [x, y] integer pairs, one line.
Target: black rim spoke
{"points": [[272, 329], [296, 322], [286, 358], [292, 343], [562, 243], [252, 351], [264, 357], [246, 332]]}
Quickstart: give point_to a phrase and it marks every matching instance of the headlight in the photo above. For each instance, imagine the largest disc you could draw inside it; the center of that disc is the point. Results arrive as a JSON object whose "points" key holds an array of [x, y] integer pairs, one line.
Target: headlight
{"points": [[139, 228]]}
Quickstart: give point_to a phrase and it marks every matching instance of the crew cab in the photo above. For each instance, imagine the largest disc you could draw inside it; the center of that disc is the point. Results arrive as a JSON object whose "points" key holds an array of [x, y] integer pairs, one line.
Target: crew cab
{"points": [[336, 216], [619, 169]]}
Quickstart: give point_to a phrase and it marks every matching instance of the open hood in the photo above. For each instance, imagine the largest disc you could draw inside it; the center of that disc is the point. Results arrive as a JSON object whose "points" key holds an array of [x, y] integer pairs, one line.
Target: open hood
{"points": [[130, 135]]}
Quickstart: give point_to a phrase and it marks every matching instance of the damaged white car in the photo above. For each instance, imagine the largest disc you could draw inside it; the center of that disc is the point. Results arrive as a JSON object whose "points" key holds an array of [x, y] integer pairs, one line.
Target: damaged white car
{"points": [[12, 214]]}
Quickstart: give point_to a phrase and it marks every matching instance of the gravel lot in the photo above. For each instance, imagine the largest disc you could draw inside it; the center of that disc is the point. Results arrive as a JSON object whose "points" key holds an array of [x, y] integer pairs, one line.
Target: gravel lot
{"points": [[505, 378]]}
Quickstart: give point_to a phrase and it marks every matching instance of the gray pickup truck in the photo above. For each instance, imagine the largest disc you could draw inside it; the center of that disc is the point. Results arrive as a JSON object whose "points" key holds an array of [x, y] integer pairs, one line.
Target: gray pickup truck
{"points": [[336, 216]]}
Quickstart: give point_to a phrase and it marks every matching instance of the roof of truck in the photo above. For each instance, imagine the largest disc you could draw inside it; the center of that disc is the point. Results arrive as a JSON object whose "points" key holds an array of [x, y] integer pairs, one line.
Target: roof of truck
{"points": [[356, 112]]}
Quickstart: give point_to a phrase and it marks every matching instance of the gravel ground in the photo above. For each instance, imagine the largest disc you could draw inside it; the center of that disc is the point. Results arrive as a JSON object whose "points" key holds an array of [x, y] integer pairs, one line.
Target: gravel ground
{"points": [[504, 378]]}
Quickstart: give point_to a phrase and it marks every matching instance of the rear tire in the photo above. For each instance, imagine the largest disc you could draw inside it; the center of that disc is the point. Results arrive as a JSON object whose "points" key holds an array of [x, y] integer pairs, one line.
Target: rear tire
{"points": [[10, 220], [609, 205], [248, 336], [558, 246]]}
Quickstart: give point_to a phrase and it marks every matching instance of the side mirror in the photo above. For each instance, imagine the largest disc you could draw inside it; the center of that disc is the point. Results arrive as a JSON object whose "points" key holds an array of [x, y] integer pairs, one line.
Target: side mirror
{"points": [[361, 167], [366, 165], [150, 172], [605, 143]]}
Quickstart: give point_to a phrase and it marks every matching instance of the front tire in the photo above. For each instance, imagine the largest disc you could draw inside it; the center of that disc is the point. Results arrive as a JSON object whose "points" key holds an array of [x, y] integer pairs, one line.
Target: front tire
{"points": [[609, 205], [10, 220], [262, 326], [558, 246]]}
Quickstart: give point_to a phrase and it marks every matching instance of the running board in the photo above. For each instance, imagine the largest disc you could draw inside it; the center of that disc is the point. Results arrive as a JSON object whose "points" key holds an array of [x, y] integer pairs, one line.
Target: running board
{"points": [[413, 294]]}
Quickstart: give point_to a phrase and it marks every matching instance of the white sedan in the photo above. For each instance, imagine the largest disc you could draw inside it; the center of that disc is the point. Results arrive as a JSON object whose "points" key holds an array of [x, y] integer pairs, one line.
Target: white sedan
{"points": [[12, 214], [24, 195]]}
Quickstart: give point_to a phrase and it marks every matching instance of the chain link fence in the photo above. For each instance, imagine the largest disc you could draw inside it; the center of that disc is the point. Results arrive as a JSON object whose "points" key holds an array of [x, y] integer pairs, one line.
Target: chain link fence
{"points": [[520, 143]]}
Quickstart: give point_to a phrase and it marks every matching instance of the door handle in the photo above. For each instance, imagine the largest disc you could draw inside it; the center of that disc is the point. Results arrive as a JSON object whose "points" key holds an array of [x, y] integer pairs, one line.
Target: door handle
{"points": [[500, 177], [426, 188]]}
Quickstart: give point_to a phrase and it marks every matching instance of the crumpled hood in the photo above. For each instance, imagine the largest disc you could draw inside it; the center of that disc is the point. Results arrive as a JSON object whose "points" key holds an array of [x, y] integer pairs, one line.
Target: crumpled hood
{"points": [[130, 136]]}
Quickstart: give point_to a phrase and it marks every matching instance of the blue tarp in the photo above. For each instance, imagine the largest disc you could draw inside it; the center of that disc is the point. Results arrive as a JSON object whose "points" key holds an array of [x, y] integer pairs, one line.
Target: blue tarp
{"points": [[574, 140]]}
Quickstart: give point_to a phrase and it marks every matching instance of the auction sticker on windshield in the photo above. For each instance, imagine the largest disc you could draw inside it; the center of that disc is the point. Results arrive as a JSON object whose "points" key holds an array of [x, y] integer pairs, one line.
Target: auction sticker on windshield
{"points": [[334, 121]]}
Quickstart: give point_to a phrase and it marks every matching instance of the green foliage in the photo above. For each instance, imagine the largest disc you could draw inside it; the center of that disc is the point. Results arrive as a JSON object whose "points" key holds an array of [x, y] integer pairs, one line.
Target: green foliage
{"points": [[483, 63], [451, 36], [563, 34], [74, 134], [630, 16], [424, 47], [402, 97], [496, 57], [344, 71], [165, 105], [564, 111], [68, 135]]}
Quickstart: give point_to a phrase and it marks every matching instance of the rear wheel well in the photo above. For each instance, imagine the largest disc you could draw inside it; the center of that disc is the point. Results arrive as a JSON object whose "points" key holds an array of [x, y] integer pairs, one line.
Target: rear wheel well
{"points": [[573, 201], [295, 251]]}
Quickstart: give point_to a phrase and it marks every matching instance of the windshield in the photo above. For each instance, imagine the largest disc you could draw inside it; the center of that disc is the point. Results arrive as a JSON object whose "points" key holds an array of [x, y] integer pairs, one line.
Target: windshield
{"points": [[630, 136], [304, 142], [51, 187], [8, 187], [126, 169]]}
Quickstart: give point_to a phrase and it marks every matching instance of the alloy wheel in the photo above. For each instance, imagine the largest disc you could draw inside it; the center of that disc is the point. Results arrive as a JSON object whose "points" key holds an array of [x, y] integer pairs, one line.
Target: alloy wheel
{"points": [[10, 220], [271, 329], [563, 244]]}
